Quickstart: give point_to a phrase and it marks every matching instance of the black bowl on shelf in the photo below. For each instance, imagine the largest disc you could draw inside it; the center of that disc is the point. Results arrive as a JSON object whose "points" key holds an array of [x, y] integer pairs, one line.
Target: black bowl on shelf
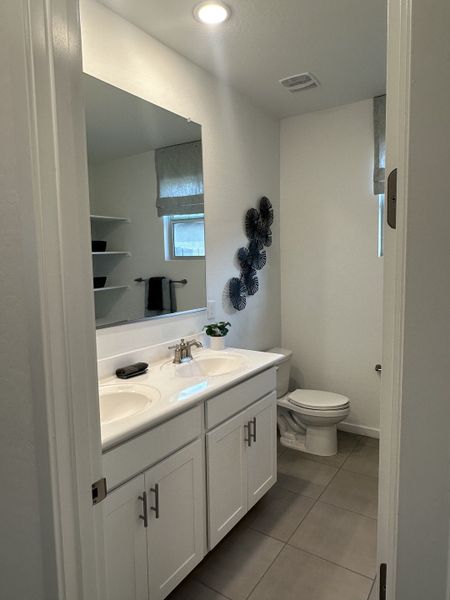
{"points": [[99, 282], [98, 246]]}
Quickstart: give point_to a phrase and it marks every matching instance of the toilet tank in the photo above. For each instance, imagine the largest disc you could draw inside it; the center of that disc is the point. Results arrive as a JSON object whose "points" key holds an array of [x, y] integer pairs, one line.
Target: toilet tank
{"points": [[283, 370]]}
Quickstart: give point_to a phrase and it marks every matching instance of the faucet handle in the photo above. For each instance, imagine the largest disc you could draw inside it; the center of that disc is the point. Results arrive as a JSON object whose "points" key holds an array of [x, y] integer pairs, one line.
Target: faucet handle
{"points": [[182, 344]]}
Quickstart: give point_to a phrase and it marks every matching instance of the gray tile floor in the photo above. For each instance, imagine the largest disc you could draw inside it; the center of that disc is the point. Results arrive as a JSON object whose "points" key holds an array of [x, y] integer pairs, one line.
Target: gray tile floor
{"points": [[312, 536]]}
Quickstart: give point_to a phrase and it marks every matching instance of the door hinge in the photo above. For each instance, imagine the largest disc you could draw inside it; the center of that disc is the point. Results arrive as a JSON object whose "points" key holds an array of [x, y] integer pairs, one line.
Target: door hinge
{"points": [[392, 199], [99, 490], [383, 581]]}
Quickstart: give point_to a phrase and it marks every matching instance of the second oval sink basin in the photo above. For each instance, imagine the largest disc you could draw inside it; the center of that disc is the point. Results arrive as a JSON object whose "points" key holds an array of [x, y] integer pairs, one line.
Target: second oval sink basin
{"points": [[210, 366], [119, 401]]}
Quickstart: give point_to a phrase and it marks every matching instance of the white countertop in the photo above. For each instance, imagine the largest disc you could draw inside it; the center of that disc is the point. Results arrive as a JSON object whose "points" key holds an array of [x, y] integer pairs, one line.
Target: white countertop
{"points": [[177, 394]]}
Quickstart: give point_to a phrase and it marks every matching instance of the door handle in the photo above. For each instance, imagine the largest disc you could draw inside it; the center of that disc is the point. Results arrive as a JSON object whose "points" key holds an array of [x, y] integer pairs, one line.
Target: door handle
{"points": [[144, 517], [249, 433], [253, 422], [155, 508], [392, 199]]}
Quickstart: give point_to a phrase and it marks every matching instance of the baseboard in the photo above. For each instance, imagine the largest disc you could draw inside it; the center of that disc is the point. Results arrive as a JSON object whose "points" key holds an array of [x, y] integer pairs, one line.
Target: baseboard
{"points": [[359, 429]]}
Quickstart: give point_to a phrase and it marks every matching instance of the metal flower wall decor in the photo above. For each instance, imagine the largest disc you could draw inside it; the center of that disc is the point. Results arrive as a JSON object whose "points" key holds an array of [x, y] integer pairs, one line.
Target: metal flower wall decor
{"points": [[253, 257]]}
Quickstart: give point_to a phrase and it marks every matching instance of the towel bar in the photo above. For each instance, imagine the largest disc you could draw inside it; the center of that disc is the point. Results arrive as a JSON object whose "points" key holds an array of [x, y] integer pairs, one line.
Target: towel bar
{"points": [[181, 281]]}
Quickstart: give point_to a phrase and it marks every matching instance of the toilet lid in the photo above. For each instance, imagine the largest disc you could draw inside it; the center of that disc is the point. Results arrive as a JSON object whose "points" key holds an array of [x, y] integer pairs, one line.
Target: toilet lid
{"points": [[317, 400]]}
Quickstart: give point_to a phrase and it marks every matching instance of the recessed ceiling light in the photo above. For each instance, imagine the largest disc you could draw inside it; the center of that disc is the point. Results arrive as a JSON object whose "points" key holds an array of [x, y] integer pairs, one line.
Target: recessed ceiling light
{"points": [[212, 12]]}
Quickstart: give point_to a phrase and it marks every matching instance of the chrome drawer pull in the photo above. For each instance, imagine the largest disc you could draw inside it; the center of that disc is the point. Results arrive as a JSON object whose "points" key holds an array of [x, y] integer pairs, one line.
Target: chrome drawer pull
{"points": [[155, 508], [144, 517], [248, 432]]}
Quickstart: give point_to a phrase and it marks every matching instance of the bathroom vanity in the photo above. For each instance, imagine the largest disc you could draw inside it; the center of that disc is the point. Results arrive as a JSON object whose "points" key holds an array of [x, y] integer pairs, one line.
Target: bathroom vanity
{"points": [[187, 448], [186, 466]]}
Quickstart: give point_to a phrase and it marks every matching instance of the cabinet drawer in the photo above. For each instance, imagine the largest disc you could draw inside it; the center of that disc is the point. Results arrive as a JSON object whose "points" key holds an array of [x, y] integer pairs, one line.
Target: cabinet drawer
{"points": [[223, 406], [145, 450]]}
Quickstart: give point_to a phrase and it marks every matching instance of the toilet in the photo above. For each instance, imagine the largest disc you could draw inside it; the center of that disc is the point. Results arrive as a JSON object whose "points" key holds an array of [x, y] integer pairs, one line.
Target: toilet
{"points": [[307, 419]]}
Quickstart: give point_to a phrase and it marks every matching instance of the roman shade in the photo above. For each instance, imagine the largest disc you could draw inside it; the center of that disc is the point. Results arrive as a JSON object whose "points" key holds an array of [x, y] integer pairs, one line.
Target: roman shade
{"points": [[379, 129], [180, 179]]}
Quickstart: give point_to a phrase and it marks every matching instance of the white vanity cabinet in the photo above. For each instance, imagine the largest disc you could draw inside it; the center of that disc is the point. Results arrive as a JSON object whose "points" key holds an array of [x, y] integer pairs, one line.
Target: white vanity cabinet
{"points": [[227, 477], [241, 452], [206, 466], [262, 453], [155, 526], [176, 519], [125, 543]]}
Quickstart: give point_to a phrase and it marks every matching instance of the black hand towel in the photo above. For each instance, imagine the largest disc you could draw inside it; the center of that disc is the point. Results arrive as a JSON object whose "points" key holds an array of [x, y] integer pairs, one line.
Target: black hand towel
{"points": [[155, 293]]}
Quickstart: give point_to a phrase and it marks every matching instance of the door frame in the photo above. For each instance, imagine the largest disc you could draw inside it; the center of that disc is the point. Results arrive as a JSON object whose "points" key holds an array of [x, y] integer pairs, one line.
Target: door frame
{"points": [[414, 455], [44, 59], [398, 49]]}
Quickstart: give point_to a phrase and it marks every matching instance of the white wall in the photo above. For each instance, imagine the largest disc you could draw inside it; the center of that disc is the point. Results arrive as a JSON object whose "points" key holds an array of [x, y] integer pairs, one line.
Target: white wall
{"points": [[241, 163], [331, 277], [127, 187]]}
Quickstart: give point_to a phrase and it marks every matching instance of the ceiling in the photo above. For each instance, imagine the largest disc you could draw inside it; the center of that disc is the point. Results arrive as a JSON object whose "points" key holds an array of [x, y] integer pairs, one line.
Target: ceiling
{"points": [[119, 124], [342, 42]]}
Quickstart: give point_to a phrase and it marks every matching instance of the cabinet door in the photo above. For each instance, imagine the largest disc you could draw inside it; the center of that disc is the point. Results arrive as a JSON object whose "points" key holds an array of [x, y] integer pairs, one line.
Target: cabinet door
{"points": [[227, 477], [176, 531], [125, 543], [262, 453]]}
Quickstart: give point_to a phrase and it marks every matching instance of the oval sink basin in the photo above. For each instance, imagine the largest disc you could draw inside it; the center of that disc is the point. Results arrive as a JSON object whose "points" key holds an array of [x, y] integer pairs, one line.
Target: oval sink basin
{"points": [[211, 366], [125, 400]]}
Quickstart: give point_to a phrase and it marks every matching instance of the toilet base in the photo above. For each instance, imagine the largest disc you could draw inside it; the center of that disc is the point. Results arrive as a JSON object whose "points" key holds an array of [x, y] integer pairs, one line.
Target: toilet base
{"points": [[321, 441]]}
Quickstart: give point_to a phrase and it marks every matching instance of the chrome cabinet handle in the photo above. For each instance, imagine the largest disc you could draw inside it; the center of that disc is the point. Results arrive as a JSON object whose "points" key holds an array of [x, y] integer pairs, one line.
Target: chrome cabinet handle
{"points": [[249, 433], [144, 517], [253, 422], [155, 508]]}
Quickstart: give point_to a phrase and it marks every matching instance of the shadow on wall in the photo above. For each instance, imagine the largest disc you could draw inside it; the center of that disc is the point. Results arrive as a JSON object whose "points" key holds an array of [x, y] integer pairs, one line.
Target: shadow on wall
{"points": [[297, 378]]}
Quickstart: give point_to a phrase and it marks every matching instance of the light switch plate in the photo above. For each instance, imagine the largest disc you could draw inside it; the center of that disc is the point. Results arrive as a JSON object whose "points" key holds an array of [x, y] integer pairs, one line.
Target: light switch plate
{"points": [[211, 309]]}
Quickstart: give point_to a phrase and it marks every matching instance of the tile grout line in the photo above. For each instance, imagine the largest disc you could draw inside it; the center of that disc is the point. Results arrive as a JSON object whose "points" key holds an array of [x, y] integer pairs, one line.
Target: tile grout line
{"points": [[355, 512], [371, 589], [332, 563], [208, 587], [358, 473], [300, 524], [268, 567], [328, 484]]}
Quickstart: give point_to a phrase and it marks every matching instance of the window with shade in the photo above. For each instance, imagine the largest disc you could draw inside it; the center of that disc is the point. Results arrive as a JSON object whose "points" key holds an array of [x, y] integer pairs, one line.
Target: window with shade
{"points": [[180, 199]]}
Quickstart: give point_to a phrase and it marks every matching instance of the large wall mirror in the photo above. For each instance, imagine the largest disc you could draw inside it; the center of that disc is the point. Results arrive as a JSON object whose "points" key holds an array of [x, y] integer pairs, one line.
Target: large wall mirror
{"points": [[147, 209]]}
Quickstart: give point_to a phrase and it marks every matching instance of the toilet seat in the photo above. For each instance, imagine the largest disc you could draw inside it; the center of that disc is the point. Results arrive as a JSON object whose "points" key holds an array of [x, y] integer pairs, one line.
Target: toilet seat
{"points": [[315, 400]]}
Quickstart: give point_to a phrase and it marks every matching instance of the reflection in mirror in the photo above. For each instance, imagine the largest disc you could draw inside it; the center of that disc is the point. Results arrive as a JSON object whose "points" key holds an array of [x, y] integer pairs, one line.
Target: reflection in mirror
{"points": [[147, 212]]}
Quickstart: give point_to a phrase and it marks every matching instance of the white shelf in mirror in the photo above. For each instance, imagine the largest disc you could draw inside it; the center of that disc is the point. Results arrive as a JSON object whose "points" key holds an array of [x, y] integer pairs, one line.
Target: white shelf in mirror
{"points": [[112, 253], [112, 287], [106, 218]]}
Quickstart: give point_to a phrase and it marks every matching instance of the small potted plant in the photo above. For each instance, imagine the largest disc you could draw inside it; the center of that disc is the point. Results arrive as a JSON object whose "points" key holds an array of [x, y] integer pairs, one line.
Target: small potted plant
{"points": [[217, 333]]}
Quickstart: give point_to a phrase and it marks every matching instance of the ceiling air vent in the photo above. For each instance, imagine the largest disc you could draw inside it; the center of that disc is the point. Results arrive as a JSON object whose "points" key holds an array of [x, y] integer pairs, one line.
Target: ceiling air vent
{"points": [[304, 81]]}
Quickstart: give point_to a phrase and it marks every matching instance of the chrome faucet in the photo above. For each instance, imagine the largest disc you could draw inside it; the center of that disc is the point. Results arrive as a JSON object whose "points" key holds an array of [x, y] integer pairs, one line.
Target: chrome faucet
{"points": [[183, 350]]}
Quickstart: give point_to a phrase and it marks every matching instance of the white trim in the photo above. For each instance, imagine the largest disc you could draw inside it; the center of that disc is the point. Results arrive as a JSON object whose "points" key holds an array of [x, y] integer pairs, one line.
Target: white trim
{"points": [[397, 140], [51, 155], [371, 432]]}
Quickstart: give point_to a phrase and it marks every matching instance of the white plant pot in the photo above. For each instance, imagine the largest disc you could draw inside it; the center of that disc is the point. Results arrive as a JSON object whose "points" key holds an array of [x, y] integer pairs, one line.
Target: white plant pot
{"points": [[217, 343]]}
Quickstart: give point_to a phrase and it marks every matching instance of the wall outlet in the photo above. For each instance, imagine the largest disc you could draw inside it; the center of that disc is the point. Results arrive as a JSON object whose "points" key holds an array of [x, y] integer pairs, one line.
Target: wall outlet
{"points": [[211, 310]]}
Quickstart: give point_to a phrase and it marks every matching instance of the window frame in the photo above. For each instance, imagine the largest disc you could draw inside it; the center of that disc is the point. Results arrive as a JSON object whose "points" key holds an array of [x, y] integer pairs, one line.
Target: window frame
{"points": [[169, 222]]}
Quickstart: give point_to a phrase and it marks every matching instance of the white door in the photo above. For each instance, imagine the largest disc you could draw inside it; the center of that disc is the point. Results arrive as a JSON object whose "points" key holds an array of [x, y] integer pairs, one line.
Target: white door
{"points": [[227, 477], [414, 458], [126, 542], [262, 453], [176, 533]]}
